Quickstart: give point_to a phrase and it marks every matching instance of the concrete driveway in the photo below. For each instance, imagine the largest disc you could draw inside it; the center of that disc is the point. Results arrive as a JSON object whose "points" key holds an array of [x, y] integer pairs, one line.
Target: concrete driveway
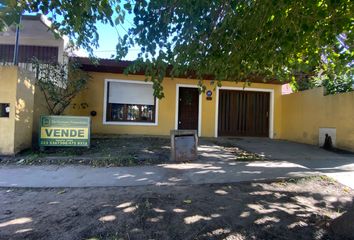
{"points": [[334, 164], [283, 150], [215, 165]]}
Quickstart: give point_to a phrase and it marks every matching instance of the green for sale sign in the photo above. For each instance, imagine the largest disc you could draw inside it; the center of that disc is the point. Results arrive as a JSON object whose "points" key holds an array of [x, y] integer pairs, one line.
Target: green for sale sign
{"points": [[64, 131]]}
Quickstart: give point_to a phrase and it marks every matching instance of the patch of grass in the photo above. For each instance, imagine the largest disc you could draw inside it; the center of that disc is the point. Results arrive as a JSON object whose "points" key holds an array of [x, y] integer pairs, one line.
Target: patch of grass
{"points": [[301, 180], [120, 161], [104, 152], [327, 179], [249, 157], [240, 154], [109, 161]]}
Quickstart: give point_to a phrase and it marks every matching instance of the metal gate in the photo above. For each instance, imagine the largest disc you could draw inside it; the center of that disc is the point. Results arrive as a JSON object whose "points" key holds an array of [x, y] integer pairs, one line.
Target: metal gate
{"points": [[243, 113]]}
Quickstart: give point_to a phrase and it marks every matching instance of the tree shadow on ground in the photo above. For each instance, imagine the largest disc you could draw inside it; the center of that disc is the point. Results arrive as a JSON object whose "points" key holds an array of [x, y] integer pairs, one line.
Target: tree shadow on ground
{"points": [[295, 209], [309, 156]]}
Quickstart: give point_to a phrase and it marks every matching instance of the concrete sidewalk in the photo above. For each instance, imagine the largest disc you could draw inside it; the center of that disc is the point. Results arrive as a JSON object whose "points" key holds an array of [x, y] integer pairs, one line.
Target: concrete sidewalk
{"points": [[168, 174], [215, 165]]}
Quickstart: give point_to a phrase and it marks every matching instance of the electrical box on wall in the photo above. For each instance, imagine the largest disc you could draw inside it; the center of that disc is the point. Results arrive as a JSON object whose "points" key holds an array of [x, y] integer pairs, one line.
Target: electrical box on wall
{"points": [[322, 136], [4, 110]]}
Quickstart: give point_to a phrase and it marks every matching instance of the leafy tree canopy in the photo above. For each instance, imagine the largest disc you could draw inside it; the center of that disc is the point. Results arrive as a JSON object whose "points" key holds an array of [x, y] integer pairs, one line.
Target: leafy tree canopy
{"points": [[236, 40], [230, 39]]}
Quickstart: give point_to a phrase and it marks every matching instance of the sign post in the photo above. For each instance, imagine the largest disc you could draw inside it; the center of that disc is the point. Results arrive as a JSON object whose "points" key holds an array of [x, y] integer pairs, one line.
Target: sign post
{"points": [[64, 131]]}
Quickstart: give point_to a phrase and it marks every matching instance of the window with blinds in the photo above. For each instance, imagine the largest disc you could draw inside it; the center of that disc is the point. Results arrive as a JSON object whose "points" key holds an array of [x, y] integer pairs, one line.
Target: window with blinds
{"points": [[130, 102]]}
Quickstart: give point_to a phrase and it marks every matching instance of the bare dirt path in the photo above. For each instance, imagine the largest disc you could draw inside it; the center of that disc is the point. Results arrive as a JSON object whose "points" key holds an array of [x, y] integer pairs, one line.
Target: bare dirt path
{"points": [[288, 209]]}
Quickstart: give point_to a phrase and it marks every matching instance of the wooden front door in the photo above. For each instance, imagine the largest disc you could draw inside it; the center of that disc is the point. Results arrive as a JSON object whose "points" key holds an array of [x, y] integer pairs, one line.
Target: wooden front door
{"points": [[243, 113], [188, 104]]}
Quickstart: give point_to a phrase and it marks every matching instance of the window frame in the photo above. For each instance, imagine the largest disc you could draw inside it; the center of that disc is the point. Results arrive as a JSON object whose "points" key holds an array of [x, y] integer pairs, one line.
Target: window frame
{"points": [[132, 123]]}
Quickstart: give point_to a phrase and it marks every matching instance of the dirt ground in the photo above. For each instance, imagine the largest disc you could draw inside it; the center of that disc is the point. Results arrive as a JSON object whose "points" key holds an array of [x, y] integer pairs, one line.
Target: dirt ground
{"points": [[104, 151], [121, 150], [288, 209]]}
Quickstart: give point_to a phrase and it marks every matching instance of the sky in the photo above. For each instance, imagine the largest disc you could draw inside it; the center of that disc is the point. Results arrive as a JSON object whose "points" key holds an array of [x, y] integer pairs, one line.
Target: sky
{"points": [[108, 39]]}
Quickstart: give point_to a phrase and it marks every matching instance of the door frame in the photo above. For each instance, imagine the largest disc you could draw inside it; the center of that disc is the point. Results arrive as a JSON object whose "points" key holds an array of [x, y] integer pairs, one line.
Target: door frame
{"points": [[271, 106], [178, 86]]}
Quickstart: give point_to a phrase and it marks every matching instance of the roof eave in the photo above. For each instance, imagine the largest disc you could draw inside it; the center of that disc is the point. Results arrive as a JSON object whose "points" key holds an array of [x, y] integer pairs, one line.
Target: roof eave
{"points": [[118, 67]]}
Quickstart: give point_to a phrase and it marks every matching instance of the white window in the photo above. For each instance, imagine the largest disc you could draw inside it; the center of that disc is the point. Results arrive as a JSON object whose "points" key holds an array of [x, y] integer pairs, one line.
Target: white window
{"points": [[130, 103]]}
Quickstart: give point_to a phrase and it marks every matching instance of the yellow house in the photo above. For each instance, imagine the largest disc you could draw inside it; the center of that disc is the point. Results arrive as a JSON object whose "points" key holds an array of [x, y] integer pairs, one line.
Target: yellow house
{"points": [[124, 104]]}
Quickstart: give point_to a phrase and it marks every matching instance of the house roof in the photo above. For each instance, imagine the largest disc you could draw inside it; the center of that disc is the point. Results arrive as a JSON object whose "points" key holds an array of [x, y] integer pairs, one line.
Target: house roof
{"points": [[34, 27], [104, 65], [114, 66]]}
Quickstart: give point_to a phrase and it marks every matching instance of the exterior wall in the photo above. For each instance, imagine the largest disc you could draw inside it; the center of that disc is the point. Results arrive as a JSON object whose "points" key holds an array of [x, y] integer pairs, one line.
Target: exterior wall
{"points": [[40, 108], [35, 41], [303, 113], [26, 53], [34, 32], [24, 110], [94, 97], [8, 84], [16, 88]]}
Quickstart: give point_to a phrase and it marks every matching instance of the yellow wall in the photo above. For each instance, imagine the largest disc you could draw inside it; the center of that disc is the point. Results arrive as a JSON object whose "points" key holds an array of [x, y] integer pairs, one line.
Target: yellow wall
{"points": [[94, 97], [16, 88], [24, 110], [40, 108], [303, 113], [8, 79]]}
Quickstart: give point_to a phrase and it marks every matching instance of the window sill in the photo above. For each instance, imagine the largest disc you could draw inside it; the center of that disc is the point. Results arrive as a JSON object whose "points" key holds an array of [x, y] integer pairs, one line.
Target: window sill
{"points": [[131, 123]]}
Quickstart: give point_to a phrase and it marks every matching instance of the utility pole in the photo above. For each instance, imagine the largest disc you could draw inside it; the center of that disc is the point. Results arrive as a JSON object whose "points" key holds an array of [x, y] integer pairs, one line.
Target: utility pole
{"points": [[16, 48]]}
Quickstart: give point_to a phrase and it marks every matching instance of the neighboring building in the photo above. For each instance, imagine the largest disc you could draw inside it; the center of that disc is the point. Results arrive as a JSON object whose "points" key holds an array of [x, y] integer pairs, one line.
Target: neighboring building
{"points": [[36, 40], [20, 102], [17, 101]]}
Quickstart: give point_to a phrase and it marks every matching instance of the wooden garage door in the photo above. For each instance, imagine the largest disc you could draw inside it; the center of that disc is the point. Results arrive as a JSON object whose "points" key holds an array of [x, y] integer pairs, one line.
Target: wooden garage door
{"points": [[243, 113]]}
